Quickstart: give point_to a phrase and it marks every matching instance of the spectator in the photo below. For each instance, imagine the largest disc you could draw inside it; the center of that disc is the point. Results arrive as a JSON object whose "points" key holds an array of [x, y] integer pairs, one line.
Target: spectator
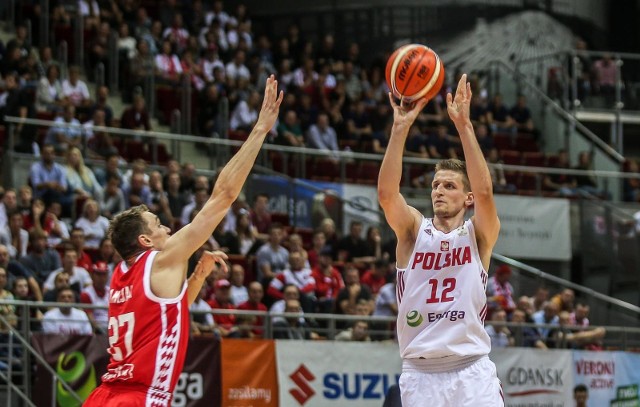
{"points": [[7, 311], [547, 316], [522, 115], [200, 198], [566, 335], [528, 336], [540, 298], [110, 168], [49, 180], [498, 117], [246, 235], [525, 304], [102, 103], [21, 293], [159, 202], [66, 320], [201, 317], [485, 139], [322, 136], [97, 294], [79, 277], [587, 184], [236, 69], [561, 184], [18, 103], [81, 180], [40, 259], [289, 131], [49, 95], [260, 214], [318, 243], [100, 144], [298, 275], [107, 253], [497, 330], [138, 192], [254, 303], [75, 89], [441, 144], [353, 291], [417, 144], [111, 200], [168, 64], [136, 117], [606, 76], [498, 179], [328, 281], [60, 281], [374, 244], [271, 258], [14, 237], [579, 317], [296, 245], [500, 291], [16, 270], [94, 225], [58, 230], [239, 292], [126, 43], [564, 300], [77, 240], [359, 123], [222, 300], [581, 395], [142, 66], [353, 248], [209, 121], [376, 277], [293, 327], [245, 113], [8, 205], [386, 305], [359, 332], [62, 137], [177, 199]]}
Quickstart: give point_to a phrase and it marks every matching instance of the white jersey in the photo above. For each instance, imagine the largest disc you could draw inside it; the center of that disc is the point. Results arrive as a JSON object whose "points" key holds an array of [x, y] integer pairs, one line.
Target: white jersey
{"points": [[441, 298]]}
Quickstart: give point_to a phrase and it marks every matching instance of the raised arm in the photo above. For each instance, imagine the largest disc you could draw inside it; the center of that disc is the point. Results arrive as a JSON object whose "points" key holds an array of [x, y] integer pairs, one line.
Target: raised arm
{"points": [[402, 218], [485, 217], [187, 240]]}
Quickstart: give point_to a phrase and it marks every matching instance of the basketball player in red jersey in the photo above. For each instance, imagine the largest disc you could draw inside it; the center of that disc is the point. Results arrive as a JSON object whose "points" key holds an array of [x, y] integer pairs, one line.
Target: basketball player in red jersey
{"points": [[149, 294], [441, 269]]}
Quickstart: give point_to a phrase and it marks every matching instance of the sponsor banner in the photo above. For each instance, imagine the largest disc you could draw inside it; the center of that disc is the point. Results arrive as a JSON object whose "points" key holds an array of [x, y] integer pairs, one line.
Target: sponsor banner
{"points": [[312, 203], [249, 378], [612, 378], [535, 378], [364, 200], [533, 228], [325, 374], [82, 360]]}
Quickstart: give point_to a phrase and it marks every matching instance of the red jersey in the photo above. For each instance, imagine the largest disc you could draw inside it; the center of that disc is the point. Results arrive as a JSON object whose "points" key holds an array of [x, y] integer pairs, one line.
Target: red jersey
{"points": [[147, 335], [327, 286]]}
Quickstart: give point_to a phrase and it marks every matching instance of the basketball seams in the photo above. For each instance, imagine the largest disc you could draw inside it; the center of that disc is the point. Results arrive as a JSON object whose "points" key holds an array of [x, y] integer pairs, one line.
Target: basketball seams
{"points": [[434, 79]]}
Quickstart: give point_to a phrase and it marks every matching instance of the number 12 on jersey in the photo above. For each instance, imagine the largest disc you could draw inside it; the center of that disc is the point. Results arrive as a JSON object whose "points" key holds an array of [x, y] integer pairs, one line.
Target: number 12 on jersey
{"points": [[121, 326], [448, 285]]}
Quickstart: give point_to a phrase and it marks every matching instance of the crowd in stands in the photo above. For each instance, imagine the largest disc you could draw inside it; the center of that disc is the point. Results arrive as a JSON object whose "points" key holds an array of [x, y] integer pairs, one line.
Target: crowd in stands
{"points": [[53, 231]]}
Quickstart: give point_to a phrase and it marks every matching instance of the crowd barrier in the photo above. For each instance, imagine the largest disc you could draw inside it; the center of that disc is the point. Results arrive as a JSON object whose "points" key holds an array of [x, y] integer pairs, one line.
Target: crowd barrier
{"points": [[257, 373]]}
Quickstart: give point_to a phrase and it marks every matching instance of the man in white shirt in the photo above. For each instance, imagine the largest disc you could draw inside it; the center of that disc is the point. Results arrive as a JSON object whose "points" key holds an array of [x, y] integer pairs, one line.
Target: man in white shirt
{"points": [[322, 136], [79, 278], [75, 89], [66, 320]]}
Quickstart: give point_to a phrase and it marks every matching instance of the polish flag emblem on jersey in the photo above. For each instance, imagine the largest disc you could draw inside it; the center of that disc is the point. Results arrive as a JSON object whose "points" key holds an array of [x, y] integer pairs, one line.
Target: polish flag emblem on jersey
{"points": [[444, 246]]}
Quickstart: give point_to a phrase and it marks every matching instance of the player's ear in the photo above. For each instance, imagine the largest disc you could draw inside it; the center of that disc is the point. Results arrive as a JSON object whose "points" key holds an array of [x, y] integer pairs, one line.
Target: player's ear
{"points": [[144, 241], [468, 202]]}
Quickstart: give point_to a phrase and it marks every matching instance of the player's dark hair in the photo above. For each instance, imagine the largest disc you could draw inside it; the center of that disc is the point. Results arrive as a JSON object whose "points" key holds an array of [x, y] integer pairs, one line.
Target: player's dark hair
{"points": [[125, 229]]}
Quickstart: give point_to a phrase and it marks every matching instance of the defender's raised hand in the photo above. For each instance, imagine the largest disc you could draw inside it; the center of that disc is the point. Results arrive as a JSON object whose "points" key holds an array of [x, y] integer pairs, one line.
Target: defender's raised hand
{"points": [[270, 104], [206, 263], [459, 106]]}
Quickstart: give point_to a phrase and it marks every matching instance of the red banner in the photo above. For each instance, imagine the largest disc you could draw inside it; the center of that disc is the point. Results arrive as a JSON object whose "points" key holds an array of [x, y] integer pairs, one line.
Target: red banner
{"points": [[82, 360]]}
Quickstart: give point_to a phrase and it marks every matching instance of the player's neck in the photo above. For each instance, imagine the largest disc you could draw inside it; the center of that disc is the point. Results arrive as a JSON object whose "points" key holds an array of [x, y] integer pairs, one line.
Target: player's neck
{"points": [[446, 225]]}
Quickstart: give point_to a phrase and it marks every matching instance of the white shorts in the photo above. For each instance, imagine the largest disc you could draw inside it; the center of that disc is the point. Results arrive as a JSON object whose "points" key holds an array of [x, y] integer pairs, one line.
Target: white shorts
{"points": [[474, 386]]}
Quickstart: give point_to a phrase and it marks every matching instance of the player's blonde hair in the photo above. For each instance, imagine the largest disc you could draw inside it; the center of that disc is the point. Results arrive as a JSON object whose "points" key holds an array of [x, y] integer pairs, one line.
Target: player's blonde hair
{"points": [[455, 165]]}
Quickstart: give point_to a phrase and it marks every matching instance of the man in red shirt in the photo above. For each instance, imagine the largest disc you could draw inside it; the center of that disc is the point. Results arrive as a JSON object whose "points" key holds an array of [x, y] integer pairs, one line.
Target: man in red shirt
{"points": [[328, 281], [256, 293], [376, 277], [225, 323]]}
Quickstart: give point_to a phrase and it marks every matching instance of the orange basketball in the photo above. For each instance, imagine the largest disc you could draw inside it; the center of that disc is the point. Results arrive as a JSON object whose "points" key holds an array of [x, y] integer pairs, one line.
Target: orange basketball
{"points": [[413, 72]]}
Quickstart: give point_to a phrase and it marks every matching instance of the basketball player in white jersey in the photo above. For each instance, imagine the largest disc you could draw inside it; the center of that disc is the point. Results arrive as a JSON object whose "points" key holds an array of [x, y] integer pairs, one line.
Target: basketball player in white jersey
{"points": [[442, 265]]}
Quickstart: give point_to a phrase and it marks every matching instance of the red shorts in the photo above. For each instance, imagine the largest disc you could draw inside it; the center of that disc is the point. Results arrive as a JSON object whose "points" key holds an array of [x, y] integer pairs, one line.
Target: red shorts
{"points": [[125, 395]]}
